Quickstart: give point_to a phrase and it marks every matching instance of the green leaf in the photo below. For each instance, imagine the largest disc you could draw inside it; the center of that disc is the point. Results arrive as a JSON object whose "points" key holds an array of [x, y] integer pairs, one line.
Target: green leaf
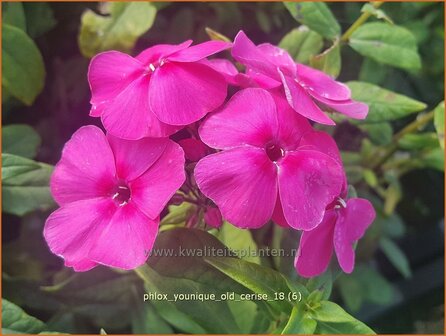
{"points": [[387, 44], [376, 12], [23, 72], [302, 43], [201, 312], [178, 213], [39, 18], [14, 15], [118, 31], [432, 159], [146, 320], [384, 105], [300, 321], [375, 287], [439, 122], [373, 72], [380, 133], [25, 185], [332, 319], [395, 256], [21, 140], [351, 292], [329, 61], [317, 16], [16, 321], [259, 279], [240, 242], [419, 141]]}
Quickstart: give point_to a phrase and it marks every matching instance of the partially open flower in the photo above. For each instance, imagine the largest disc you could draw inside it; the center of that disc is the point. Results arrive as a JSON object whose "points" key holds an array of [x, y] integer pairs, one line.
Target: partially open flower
{"points": [[305, 89], [111, 193]]}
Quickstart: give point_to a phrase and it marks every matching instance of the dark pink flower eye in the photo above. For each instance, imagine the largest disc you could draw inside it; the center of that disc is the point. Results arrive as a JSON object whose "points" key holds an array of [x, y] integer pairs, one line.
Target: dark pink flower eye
{"points": [[122, 194], [274, 152]]}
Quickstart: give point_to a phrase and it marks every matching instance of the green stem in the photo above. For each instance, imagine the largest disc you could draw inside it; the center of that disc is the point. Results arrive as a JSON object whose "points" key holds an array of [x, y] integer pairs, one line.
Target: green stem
{"points": [[363, 18], [393, 147]]}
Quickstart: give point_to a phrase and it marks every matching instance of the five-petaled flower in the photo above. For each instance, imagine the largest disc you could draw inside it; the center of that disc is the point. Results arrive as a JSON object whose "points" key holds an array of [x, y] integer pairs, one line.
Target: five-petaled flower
{"points": [[263, 169], [111, 193], [156, 93]]}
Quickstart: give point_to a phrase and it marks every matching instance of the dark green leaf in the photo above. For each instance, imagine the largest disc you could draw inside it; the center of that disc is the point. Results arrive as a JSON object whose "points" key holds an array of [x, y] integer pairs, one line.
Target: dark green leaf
{"points": [[432, 159], [388, 44], [25, 185], [384, 105], [395, 256], [146, 320], [329, 61], [259, 279], [201, 312], [373, 72], [119, 31], [374, 286], [439, 122], [21, 140], [14, 15], [302, 43], [16, 321], [317, 16], [23, 72], [380, 133], [351, 292], [39, 18]]}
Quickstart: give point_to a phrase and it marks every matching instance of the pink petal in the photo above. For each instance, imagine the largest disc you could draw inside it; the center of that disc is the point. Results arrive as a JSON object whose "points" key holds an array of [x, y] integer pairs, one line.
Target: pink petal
{"points": [[134, 157], [199, 51], [73, 229], [350, 108], [81, 266], [351, 225], [322, 142], [322, 84], [128, 116], [182, 93], [308, 182], [316, 248], [82, 172], [292, 126], [194, 149], [109, 74], [279, 57], [249, 117], [152, 190], [161, 51], [127, 240], [262, 81], [278, 217], [212, 217], [242, 183], [302, 103], [229, 72], [246, 52]]}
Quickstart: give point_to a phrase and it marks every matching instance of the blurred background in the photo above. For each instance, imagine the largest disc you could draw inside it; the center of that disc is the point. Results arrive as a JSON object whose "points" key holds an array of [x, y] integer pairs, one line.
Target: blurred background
{"points": [[398, 285]]}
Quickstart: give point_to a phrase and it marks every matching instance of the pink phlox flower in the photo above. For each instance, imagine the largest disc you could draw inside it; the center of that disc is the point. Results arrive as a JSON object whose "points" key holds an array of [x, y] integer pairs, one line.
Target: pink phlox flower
{"points": [[212, 217], [261, 168], [157, 92], [111, 192], [194, 149], [306, 89], [345, 222]]}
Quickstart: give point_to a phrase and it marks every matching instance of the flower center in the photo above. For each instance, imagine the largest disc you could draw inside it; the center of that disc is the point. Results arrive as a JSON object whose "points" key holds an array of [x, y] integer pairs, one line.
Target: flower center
{"points": [[274, 152], [122, 194]]}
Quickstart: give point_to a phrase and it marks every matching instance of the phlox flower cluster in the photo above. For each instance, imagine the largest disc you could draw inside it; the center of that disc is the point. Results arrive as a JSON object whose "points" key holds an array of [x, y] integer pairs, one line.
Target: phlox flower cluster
{"points": [[173, 135]]}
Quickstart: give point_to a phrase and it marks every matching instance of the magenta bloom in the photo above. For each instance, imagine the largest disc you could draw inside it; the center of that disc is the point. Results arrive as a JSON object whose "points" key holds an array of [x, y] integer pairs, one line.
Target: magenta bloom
{"points": [[111, 192], [262, 167], [306, 89], [155, 93], [344, 223]]}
